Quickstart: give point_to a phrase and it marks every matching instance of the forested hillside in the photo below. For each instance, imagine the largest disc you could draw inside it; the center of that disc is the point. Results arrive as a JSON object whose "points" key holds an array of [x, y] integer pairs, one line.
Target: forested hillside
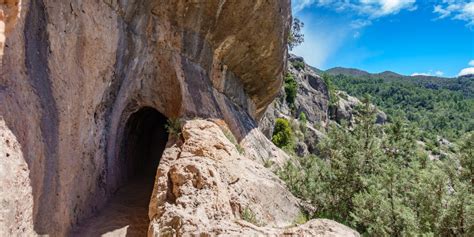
{"points": [[409, 175], [437, 106]]}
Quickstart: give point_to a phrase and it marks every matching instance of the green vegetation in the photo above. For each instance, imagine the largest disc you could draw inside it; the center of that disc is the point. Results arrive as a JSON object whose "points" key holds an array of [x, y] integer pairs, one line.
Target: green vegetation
{"points": [[300, 219], [437, 106], [333, 98], [298, 65], [302, 122], [283, 134], [375, 179], [230, 136], [291, 88], [249, 216], [173, 126], [295, 36]]}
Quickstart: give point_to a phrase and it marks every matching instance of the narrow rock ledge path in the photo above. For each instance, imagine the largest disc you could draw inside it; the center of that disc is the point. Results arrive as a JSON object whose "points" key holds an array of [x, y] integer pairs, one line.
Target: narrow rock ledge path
{"points": [[126, 213]]}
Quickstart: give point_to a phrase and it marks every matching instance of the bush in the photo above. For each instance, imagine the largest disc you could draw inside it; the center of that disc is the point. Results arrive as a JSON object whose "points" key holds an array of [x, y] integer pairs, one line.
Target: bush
{"points": [[282, 134], [290, 89], [173, 126], [298, 65], [249, 216], [303, 121]]}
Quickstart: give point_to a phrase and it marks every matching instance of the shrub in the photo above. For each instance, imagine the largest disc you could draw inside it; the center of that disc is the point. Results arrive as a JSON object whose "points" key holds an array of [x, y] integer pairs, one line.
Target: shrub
{"points": [[249, 216], [298, 65], [290, 89], [303, 121], [333, 97], [282, 134], [300, 219], [173, 126]]}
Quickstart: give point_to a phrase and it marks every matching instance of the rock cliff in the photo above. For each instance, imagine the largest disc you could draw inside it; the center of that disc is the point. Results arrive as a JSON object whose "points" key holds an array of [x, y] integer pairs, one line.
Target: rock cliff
{"points": [[312, 98], [89, 93]]}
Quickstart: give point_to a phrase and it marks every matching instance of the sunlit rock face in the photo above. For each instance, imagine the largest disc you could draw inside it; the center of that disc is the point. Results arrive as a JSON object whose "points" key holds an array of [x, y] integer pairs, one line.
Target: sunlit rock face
{"points": [[9, 13], [74, 71], [74, 76]]}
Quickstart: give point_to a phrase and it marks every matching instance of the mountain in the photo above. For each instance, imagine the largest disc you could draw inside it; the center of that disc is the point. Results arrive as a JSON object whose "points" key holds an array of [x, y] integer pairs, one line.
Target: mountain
{"points": [[347, 71], [465, 84], [436, 105]]}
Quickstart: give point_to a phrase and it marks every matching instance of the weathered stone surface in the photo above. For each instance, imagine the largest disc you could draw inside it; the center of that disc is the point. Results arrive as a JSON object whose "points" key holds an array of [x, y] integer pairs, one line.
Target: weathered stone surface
{"points": [[16, 199], [312, 99], [204, 185], [74, 71], [345, 109], [9, 12]]}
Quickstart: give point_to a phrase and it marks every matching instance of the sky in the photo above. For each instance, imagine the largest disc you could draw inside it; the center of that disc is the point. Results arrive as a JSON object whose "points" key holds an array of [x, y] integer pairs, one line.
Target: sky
{"points": [[409, 37]]}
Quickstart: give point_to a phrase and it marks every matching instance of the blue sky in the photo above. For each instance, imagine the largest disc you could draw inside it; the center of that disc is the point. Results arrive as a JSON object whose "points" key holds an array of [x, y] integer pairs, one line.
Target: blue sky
{"points": [[430, 37]]}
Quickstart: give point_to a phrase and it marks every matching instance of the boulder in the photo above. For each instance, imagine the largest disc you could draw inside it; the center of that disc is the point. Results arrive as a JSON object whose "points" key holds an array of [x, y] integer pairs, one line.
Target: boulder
{"points": [[204, 186]]}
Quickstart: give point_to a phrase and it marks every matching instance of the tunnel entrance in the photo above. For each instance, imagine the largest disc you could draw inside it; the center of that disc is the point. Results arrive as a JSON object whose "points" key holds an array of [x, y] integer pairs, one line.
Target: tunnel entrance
{"points": [[144, 141], [126, 213]]}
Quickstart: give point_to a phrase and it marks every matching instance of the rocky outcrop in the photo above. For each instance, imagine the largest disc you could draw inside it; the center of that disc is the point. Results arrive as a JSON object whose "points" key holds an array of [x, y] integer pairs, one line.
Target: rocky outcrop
{"points": [[16, 199], [312, 98], [76, 74], [205, 187], [9, 12], [73, 72], [345, 109]]}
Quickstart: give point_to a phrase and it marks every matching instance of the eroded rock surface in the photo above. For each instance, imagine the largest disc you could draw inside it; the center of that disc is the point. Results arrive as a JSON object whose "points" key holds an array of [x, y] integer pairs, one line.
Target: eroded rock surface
{"points": [[9, 12], [74, 72], [204, 187], [312, 99], [16, 199]]}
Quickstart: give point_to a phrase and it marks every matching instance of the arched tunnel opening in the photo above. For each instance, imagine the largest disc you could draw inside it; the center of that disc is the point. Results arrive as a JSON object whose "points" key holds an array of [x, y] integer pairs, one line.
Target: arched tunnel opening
{"points": [[144, 141], [126, 213]]}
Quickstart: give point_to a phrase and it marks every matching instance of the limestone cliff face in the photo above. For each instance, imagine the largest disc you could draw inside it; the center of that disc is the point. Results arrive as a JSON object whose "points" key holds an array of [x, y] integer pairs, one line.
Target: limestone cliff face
{"points": [[74, 71], [312, 99], [74, 74], [9, 12]]}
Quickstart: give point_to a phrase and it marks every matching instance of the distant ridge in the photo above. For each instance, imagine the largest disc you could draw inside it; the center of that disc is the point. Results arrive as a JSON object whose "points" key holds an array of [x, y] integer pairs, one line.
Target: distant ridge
{"points": [[347, 71], [465, 84]]}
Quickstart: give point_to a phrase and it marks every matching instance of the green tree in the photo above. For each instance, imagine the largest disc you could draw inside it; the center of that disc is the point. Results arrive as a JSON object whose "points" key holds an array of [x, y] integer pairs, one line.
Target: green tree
{"points": [[303, 121], [295, 37], [291, 88], [282, 134]]}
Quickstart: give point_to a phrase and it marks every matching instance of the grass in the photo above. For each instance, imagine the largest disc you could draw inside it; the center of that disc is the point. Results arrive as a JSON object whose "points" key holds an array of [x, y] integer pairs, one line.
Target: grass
{"points": [[300, 219], [228, 134], [249, 216], [173, 126]]}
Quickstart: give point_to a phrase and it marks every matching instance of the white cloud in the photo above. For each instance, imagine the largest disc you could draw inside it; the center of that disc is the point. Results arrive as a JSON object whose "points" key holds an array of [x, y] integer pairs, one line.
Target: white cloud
{"points": [[360, 23], [321, 41], [378, 8], [370, 8], [298, 5], [430, 73], [420, 74], [466, 71], [458, 9], [471, 63]]}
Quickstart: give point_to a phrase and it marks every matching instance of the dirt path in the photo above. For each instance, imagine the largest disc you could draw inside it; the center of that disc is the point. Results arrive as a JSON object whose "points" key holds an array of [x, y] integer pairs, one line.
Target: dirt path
{"points": [[126, 214]]}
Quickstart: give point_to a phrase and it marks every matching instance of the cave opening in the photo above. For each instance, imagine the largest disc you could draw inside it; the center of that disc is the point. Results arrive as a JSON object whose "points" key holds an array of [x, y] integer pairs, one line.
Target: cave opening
{"points": [[144, 140], [126, 213]]}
